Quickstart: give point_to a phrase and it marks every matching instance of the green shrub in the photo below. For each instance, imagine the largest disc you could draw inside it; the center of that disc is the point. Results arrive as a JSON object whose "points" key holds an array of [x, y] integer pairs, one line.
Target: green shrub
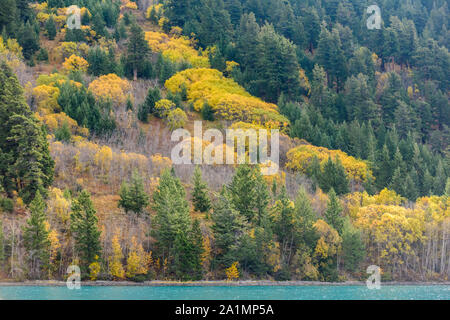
{"points": [[6, 204]]}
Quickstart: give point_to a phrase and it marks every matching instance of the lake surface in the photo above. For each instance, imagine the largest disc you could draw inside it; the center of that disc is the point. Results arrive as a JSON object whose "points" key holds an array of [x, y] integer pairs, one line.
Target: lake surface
{"points": [[409, 292]]}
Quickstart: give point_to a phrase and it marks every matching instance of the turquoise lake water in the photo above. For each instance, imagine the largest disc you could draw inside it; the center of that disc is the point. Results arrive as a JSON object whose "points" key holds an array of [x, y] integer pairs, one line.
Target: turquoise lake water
{"points": [[227, 293]]}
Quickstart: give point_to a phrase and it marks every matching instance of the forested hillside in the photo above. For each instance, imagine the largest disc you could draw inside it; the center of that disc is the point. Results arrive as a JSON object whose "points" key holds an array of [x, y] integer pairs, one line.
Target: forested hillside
{"points": [[87, 113]]}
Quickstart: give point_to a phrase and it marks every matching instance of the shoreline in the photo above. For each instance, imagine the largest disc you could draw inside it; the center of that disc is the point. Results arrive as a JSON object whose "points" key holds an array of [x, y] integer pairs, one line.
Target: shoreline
{"points": [[249, 283]]}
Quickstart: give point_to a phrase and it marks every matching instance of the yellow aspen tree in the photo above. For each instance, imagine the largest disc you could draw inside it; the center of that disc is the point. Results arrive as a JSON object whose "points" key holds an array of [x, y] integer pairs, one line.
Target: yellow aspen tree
{"points": [[232, 272], [165, 267], [55, 245], [111, 87], [299, 159], [176, 119], [163, 107], [227, 98], [176, 48], [94, 269], [75, 63], [103, 159], [137, 262], [46, 97], [115, 261], [59, 205]]}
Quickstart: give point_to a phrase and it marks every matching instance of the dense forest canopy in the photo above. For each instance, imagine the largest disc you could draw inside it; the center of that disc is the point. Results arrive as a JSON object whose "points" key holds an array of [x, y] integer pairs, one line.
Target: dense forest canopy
{"points": [[86, 116]]}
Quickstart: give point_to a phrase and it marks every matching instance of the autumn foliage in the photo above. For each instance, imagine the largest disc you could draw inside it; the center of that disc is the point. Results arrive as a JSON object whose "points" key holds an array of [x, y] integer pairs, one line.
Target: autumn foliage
{"points": [[75, 63], [229, 100], [176, 49], [111, 87], [300, 158]]}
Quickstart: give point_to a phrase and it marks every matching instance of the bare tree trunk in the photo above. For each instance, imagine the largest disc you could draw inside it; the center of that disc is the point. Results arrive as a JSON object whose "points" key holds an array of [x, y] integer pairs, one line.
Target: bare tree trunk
{"points": [[12, 249], [443, 252]]}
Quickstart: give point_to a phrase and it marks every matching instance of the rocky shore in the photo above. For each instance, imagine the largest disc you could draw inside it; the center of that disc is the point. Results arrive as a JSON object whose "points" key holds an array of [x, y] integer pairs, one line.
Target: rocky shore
{"points": [[158, 283]]}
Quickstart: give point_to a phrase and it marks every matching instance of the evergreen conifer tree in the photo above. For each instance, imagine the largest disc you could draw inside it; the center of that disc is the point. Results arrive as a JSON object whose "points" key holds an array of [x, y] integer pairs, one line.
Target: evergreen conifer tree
{"points": [[333, 214], [228, 228], [25, 163], [305, 218], [133, 196], [172, 213], [83, 224], [35, 236], [51, 28], [200, 197], [242, 191], [137, 49], [148, 107], [353, 249]]}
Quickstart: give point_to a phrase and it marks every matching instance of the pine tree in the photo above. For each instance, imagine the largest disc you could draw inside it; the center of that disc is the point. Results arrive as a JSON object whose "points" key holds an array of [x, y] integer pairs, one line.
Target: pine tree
{"points": [[8, 10], [99, 62], [277, 66], [172, 213], [341, 183], [234, 7], [331, 56], [322, 96], [137, 49], [25, 163], [311, 23], [398, 182], [390, 98], [200, 198], [384, 168], [228, 228], [188, 251], [207, 112], [333, 214], [183, 250], [28, 40], [284, 227], [85, 230], [358, 99], [247, 41], [63, 133], [274, 188], [264, 245], [178, 12], [133, 196], [209, 21], [51, 28], [130, 106], [334, 176], [447, 188], [98, 24], [148, 107], [427, 183], [33, 163], [196, 238], [404, 119], [36, 237], [353, 249], [305, 218], [242, 191], [440, 180], [411, 190], [314, 172], [262, 199]]}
